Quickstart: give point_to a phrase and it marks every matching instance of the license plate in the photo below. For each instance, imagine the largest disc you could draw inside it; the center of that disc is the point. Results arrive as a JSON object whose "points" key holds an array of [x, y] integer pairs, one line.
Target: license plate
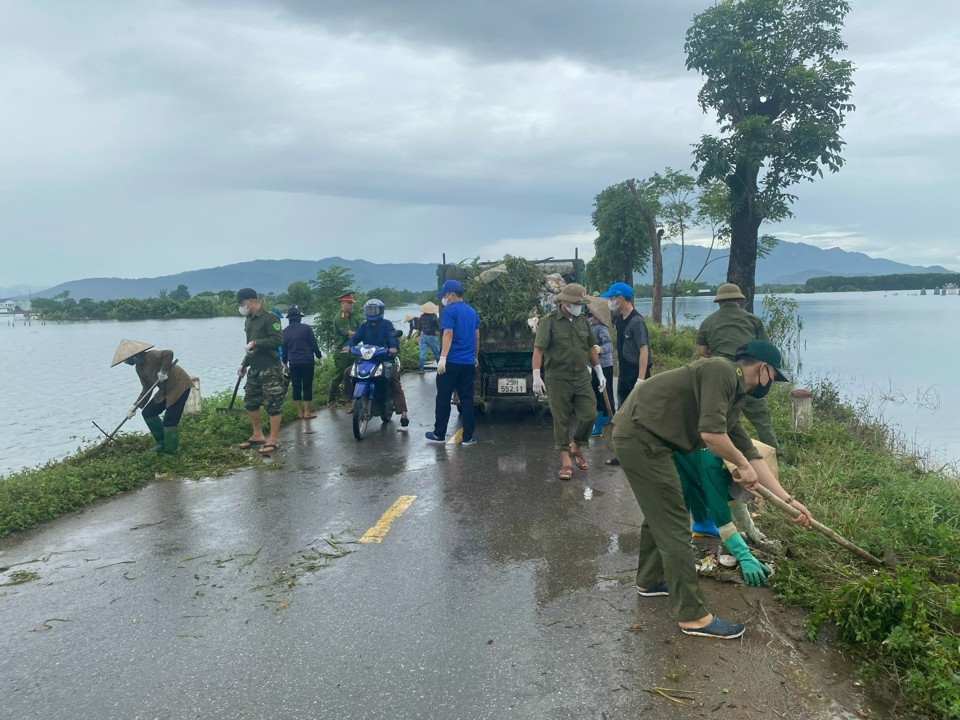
{"points": [[510, 386]]}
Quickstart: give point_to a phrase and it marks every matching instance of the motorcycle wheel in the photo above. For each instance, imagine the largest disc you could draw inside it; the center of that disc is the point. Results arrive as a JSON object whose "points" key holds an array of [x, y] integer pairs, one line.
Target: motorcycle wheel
{"points": [[361, 416]]}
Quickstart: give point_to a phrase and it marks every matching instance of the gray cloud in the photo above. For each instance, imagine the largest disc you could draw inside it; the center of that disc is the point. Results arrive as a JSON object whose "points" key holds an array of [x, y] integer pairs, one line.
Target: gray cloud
{"points": [[224, 134]]}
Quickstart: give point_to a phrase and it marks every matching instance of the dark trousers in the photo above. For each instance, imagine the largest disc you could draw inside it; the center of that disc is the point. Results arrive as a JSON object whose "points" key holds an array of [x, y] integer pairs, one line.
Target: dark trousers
{"points": [[171, 418], [459, 377], [301, 378], [601, 405]]}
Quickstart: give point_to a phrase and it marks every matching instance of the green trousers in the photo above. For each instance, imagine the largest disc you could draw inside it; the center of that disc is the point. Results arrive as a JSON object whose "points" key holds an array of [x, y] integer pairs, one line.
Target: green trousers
{"points": [[757, 412], [665, 551], [341, 361], [706, 485], [571, 399]]}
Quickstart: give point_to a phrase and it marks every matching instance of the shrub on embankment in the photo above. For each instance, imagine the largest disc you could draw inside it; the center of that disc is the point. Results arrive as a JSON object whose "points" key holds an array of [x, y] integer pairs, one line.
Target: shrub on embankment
{"points": [[903, 623]]}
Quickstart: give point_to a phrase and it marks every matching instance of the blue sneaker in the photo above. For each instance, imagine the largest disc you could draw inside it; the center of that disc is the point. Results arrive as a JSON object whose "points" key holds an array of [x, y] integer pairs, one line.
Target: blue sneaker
{"points": [[471, 441], [597, 429], [433, 438], [655, 591], [717, 628]]}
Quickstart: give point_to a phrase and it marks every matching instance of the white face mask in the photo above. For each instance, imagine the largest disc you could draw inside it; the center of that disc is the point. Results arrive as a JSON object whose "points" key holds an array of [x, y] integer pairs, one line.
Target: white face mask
{"points": [[574, 310], [243, 310], [612, 304], [444, 301]]}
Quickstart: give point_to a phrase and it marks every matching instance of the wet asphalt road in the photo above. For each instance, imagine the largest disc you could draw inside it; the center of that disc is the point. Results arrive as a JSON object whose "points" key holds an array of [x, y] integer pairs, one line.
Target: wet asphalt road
{"points": [[500, 592]]}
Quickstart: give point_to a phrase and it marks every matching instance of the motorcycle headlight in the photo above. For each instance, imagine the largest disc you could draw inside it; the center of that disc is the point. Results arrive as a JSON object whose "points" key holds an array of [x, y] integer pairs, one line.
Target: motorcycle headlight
{"points": [[379, 371], [367, 351]]}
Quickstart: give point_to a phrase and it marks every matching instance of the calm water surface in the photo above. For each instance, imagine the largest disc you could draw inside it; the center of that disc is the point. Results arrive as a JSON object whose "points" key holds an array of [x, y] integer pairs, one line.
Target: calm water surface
{"points": [[56, 379]]}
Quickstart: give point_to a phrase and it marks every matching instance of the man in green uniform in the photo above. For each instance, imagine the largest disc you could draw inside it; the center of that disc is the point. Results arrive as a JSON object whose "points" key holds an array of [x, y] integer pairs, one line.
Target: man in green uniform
{"points": [[563, 348], [266, 384], [344, 325], [681, 411], [721, 333]]}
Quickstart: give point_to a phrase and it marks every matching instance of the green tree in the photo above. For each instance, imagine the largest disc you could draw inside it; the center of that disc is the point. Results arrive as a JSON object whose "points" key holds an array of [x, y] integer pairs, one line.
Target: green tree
{"points": [[623, 245], [678, 195], [329, 284], [781, 98], [181, 294], [646, 199], [299, 294]]}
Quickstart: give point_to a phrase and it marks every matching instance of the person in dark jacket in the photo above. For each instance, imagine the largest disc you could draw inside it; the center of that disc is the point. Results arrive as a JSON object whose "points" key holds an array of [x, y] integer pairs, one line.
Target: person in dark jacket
{"points": [[299, 349]]}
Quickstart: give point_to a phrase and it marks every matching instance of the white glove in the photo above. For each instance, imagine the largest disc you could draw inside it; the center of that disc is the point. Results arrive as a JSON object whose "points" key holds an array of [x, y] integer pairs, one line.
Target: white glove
{"points": [[601, 378], [442, 365], [285, 369], [241, 371], [161, 376], [539, 389], [131, 412]]}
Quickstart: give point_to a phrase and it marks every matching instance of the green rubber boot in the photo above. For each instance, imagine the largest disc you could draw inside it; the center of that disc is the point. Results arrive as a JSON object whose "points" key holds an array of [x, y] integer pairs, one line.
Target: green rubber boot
{"points": [[171, 440], [156, 429]]}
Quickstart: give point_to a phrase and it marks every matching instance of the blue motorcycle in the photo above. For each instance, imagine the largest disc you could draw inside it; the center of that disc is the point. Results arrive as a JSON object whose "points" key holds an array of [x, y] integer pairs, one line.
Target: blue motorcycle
{"points": [[372, 389]]}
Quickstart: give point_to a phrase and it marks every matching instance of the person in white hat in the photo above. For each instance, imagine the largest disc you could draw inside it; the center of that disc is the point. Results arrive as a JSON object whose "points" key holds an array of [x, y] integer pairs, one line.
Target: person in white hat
{"points": [[173, 389]]}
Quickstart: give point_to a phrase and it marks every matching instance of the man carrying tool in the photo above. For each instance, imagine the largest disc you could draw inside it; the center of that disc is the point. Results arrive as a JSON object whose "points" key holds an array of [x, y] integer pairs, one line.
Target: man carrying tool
{"points": [[564, 349], [683, 410], [266, 384], [721, 334], [344, 325], [156, 368]]}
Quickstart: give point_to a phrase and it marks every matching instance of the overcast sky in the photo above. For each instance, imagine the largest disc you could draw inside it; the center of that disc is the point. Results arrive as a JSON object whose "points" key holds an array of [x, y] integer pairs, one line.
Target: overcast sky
{"points": [[147, 138]]}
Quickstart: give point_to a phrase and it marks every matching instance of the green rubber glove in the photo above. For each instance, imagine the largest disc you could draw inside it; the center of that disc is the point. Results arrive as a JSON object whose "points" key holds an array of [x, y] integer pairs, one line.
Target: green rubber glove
{"points": [[754, 572]]}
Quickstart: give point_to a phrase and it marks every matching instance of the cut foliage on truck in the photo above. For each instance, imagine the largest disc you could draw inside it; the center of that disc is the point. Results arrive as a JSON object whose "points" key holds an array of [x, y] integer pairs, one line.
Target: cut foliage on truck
{"points": [[510, 295]]}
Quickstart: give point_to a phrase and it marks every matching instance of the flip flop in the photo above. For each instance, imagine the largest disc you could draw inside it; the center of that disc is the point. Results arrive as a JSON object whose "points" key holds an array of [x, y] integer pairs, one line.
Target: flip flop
{"points": [[249, 443], [613, 461], [566, 472], [311, 416], [269, 448]]}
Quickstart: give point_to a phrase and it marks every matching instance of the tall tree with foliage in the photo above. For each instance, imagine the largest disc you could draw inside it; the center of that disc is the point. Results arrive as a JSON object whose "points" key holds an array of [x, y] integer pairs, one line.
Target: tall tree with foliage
{"points": [[329, 284], [623, 245], [678, 196], [300, 294], [781, 97], [646, 199]]}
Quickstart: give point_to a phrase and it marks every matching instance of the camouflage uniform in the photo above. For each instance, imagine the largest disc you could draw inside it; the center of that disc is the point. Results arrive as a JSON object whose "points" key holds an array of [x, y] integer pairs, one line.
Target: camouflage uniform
{"points": [[266, 384]]}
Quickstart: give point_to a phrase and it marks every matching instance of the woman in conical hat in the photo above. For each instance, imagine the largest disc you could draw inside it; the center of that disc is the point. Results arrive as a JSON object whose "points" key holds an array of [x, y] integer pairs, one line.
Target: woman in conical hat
{"points": [[155, 367]]}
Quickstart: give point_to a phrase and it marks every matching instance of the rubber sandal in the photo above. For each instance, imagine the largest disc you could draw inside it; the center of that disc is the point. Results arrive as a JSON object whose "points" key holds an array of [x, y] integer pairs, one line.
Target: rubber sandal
{"points": [[249, 443], [311, 416], [269, 448], [655, 591], [717, 628], [566, 472]]}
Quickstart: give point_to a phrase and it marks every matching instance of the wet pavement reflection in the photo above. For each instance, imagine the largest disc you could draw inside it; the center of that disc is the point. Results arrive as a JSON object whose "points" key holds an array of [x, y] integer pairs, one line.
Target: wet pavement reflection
{"points": [[499, 592]]}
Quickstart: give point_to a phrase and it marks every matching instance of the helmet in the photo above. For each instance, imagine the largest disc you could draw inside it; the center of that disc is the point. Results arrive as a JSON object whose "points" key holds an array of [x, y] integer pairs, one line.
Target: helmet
{"points": [[373, 309]]}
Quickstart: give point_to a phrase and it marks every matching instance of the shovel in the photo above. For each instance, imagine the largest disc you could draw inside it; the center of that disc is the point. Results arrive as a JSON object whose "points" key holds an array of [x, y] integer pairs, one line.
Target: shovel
{"points": [[233, 399], [145, 394]]}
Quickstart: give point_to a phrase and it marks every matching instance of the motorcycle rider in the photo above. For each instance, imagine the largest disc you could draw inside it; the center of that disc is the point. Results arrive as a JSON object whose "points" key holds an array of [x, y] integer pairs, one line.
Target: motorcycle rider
{"points": [[377, 330]]}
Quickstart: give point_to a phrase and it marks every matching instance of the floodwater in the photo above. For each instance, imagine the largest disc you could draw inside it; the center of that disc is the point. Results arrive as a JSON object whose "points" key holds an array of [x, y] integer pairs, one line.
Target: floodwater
{"points": [[896, 349]]}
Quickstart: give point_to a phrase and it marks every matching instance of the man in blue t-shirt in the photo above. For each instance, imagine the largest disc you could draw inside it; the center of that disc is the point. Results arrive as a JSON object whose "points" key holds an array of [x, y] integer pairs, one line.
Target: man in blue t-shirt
{"points": [[457, 366]]}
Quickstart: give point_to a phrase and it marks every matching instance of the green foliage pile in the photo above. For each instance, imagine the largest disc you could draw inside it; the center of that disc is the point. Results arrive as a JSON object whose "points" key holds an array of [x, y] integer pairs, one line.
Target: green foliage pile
{"points": [[505, 303]]}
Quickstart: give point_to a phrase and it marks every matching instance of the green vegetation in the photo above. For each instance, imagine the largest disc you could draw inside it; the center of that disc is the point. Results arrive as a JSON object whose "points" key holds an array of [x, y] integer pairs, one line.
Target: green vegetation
{"points": [[835, 283]]}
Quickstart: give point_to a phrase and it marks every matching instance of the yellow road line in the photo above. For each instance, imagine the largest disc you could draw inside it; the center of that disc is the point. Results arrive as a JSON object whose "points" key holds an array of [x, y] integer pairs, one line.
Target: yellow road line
{"points": [[456, 437], [378, 531]]}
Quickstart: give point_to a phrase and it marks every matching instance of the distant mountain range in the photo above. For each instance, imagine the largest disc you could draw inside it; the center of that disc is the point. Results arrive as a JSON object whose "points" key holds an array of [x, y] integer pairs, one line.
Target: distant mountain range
{"points": [[788, 264]]}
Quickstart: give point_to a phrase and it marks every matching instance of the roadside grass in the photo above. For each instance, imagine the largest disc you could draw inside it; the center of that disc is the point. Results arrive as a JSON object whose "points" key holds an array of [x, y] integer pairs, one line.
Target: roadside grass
{"points": [[849, 469]]}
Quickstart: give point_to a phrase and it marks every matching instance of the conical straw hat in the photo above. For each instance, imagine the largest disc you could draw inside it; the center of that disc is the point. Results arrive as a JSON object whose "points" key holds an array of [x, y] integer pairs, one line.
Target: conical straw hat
{"points": [[127, 349], [430, 308], [599, 309]]}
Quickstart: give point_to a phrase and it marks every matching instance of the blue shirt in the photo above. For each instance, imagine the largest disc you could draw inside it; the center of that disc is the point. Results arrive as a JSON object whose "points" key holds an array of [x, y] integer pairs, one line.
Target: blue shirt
{"points": [[299, 344], [382, 334], [464, 321]]}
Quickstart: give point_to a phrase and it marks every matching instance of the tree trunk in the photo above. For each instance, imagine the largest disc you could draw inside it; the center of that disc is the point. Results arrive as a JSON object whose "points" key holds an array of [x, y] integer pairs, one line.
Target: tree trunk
{"points": [[744, 226], [628, 271], [656, 258]]}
